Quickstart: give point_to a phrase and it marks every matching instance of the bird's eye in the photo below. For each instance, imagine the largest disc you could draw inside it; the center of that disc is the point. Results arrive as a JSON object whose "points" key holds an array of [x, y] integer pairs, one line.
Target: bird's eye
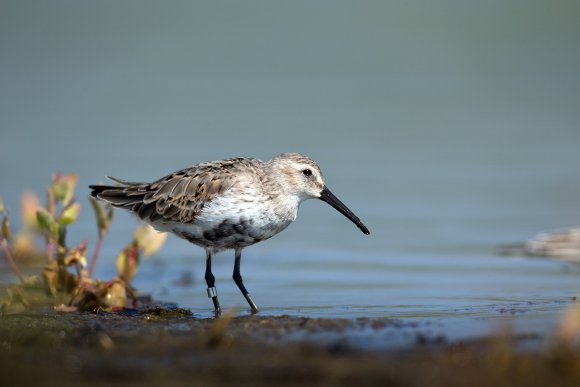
{"points": [[307, 172]]}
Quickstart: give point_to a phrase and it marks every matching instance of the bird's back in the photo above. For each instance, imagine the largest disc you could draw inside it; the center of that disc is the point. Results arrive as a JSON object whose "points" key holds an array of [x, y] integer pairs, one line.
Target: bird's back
{"points": [[180, 196]]}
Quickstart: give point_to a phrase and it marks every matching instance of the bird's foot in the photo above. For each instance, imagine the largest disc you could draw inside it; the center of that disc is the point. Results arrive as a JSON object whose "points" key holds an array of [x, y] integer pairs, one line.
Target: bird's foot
{"points": [[251, 303]]}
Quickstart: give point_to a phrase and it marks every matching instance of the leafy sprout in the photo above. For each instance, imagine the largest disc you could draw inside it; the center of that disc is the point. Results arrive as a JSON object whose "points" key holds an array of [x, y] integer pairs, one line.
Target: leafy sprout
{"points": [[67, 275]]}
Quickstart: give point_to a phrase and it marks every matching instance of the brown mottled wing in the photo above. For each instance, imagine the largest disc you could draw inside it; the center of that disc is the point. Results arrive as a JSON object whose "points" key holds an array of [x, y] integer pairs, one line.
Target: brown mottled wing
{"points": [[181, 196], [177, 197]]}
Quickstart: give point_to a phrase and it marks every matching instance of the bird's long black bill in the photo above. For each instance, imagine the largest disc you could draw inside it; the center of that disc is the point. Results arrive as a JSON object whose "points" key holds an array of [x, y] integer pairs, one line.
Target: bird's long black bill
{"points": [[329, 198]]}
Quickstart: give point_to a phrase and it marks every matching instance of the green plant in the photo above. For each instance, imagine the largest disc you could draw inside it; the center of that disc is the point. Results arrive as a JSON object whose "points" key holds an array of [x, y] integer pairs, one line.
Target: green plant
{"points": [[5, 237], [65, 275]]}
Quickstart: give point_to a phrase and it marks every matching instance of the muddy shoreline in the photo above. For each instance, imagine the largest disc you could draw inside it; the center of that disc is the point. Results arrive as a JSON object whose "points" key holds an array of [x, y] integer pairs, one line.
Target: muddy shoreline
{"points": [[172, 347]]}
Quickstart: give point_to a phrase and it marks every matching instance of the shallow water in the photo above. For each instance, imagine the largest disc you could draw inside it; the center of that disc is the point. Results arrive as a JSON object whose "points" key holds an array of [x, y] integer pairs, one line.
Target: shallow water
{"points": [[449, 130], [456, 294]]}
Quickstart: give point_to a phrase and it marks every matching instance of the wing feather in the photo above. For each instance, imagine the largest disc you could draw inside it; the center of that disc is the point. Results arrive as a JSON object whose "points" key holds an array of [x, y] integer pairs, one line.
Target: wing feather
{"points": [[179, 196]]}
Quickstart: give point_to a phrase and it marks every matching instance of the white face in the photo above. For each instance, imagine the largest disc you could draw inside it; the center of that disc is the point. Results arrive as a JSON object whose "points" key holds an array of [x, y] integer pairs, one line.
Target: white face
{"points": [[304, 180], [300, 178]]}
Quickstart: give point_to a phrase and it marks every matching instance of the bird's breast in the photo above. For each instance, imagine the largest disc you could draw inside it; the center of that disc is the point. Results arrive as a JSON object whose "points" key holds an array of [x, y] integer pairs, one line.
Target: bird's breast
{"points": [[238, 220]]}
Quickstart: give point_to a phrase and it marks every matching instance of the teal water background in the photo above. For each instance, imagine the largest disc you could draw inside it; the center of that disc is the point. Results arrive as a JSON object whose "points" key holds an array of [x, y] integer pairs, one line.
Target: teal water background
{"points": [[449, 127]]}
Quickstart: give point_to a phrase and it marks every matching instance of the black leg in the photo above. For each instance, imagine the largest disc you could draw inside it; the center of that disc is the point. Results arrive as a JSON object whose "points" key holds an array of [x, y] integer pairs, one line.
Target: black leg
{"points": [[238, 280], [210, 280]]}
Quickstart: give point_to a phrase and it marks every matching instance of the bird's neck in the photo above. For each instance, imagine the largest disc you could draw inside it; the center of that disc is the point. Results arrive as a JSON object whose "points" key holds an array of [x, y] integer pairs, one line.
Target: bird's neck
{"points": [[276, 180]]}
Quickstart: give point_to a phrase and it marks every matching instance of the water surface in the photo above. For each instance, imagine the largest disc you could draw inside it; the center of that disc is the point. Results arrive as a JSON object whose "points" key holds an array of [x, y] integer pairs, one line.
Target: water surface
{"points": [[448, 128]]}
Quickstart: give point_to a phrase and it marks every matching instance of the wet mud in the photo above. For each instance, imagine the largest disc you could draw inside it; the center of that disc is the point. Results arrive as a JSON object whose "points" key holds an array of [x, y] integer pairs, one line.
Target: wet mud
{"points": [[171, 347]]}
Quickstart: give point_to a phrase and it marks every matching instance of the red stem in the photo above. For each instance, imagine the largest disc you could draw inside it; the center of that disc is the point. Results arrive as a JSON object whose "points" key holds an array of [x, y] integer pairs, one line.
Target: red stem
{"points": [[49, 249], [15, 269], [96, 253]]}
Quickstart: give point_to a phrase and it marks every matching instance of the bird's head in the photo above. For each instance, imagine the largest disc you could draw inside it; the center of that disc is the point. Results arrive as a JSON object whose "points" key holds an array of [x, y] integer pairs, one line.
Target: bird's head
{"points": [[301, 177]]}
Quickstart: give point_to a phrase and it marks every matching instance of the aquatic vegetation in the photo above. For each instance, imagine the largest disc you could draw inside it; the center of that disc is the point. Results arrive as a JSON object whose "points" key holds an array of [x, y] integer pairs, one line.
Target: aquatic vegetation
{"points": [[65, 279], [146, 241], [104, 217], [5, 236]]}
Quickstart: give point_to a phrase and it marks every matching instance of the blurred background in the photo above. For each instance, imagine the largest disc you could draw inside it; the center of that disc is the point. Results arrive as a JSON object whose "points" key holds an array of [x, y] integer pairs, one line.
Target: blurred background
{"points": [[449, 127]]}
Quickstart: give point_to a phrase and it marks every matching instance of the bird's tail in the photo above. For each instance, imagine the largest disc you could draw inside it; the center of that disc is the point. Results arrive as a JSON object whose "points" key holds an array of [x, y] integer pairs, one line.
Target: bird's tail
{"points": [[126, 195]]}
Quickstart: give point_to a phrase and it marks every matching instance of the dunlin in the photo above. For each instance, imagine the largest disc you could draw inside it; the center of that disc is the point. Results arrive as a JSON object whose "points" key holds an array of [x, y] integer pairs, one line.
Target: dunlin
{"points": [[226, 204]]}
